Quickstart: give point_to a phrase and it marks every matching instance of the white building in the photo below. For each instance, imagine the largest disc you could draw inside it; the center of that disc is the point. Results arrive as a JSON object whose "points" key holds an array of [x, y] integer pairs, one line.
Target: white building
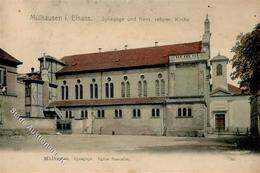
{"points": [[229, 105]]}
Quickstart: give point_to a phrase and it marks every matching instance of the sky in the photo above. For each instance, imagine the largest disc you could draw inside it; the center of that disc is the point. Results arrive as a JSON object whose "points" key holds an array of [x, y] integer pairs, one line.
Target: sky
{"points": [[26, 38]]}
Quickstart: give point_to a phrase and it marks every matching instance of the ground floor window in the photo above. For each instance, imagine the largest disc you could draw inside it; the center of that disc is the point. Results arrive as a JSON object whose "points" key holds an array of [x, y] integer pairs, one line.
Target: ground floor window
{"points": [[84, 114], [68, 114], [184, 112], [101, 114], [155, 113], [63, 125], [118, 113], [136, 113]]}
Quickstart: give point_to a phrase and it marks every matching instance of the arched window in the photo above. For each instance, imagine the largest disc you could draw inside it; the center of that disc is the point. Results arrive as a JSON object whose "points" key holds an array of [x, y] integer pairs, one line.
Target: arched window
{"points": [[78, 90], [93, 89], [81, 91], [62, 93], [67, 92], [123, 89], [219, 70], [157, 88], [96, 91], [140, 89], [145, 88], [127, 89], [162, 87], [109, 88]]}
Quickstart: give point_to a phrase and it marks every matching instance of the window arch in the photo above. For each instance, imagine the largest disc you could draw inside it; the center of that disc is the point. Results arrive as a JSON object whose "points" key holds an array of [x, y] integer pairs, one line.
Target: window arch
{"points": [[145, 88], [93, 89], [159, 86], [109, 88], [64, 91], [142, 87], [78, 90], [219, 70], [125, 87]]}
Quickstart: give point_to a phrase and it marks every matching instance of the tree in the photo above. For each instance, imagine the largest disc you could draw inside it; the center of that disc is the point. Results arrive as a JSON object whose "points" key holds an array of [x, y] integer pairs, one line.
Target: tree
{"points": [[246, 60]]}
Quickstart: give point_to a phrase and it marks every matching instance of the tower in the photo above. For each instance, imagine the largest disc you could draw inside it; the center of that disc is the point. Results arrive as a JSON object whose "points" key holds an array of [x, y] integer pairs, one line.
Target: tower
{"points": [[206, 37], [219, 72]]}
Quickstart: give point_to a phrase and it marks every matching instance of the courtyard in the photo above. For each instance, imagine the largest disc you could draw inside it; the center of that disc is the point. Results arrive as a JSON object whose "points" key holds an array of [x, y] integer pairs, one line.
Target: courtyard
{"points": [[118, 153], [123, 144]]}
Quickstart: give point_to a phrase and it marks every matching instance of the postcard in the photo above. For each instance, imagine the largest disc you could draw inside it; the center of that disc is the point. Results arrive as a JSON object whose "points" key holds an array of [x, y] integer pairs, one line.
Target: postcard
{"points": [[129, 86]]}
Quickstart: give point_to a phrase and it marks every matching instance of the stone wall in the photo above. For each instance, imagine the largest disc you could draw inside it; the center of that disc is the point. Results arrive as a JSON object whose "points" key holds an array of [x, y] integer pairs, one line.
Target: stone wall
{"points": [[186, 126]]}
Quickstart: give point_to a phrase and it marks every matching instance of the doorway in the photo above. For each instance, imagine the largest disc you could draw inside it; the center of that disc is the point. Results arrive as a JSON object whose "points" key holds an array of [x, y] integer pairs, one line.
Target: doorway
{"points": [[220, 122]]}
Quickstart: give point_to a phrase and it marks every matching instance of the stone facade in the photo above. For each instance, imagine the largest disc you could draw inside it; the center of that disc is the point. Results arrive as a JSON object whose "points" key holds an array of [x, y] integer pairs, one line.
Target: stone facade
{"points": [[161, 90], [229, 106]]}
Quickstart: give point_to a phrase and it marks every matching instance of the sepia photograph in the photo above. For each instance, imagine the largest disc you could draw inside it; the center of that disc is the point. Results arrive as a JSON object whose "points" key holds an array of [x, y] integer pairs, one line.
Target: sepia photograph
{"points": [[129, 86]]}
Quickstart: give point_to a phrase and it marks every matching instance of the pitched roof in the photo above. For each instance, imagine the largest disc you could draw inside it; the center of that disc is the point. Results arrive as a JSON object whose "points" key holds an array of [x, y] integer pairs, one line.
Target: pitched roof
{"points": [[233, 89], [8, 58], [107, 102], [130, 58]]}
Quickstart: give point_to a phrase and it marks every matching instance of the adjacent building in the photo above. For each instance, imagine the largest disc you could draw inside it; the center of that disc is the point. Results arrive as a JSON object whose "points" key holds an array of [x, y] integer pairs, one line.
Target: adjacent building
{"points": [[229, 105], [11, 91]]}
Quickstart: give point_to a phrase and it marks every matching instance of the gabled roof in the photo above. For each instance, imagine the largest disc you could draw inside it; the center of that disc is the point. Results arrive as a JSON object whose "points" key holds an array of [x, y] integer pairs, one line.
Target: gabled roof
{"points": [[130, 58], [5, 57], [232, 90]]}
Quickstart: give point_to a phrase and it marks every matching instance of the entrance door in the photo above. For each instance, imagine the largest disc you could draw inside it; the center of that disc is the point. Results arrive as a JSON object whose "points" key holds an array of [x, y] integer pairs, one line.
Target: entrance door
{"points": [[220, 122]]}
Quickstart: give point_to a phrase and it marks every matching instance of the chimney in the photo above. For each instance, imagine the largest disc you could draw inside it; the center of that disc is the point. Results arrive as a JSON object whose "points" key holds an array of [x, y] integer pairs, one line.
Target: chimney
{"points": [[32, 70], [126, 46], [99, 49], [44, 60], [155, 43]]}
